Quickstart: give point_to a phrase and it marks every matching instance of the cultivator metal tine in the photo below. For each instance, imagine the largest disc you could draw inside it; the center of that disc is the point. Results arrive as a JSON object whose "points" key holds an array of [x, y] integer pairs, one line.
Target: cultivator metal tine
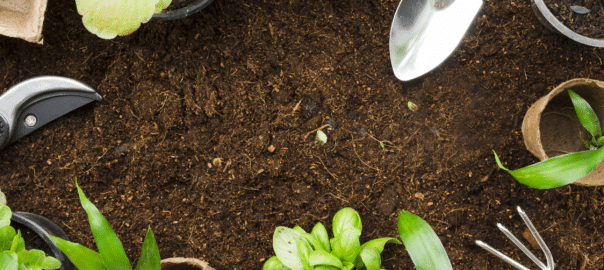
{"points": [[535, 233]]}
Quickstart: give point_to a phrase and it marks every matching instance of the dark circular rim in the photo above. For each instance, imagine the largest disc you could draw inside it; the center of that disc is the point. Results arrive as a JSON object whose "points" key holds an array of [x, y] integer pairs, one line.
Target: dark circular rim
{"points": [[182, 12]]}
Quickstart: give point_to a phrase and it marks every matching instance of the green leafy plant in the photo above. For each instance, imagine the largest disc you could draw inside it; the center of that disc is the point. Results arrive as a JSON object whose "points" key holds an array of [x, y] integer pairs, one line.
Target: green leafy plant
{"points": [[320, 138], [110, 18], [298, 250], [565, 169], [111, 255], [13, 255]]}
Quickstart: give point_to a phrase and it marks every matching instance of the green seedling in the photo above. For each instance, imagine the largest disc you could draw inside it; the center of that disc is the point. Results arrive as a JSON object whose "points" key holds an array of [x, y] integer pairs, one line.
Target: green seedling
{"points": [[13, 255], [565, 169], [412, 106], [382, 145], [320, 138], [111, 255], [296, 249]]}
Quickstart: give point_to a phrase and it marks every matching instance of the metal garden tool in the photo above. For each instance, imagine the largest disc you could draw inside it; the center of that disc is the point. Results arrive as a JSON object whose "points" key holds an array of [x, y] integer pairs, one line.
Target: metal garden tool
{"points": [[548, 255], [425, 32], [34, 102]]}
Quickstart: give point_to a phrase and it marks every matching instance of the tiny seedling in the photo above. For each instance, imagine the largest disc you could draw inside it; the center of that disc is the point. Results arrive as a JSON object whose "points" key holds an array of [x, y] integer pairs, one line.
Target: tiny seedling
{"points": [[296, 249], [111, 255], [320, 138], [382, 145], [565, 169], [13, 255], [412, 106]]}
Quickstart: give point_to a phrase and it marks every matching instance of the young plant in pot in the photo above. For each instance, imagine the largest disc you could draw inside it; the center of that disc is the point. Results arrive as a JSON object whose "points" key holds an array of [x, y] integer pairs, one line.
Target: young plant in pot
{"points": [[564, 130], [297, 249], [111, 254], [15, 244]]}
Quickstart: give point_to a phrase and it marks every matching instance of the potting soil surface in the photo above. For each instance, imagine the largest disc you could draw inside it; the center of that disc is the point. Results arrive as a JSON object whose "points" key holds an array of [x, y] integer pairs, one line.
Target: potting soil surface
{"points": [[205, 132]]}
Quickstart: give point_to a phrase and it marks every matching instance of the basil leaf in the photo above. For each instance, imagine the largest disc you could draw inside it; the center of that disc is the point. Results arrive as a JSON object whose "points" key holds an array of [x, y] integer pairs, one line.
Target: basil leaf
{"points": [[322, 257], [5, 215], [344, 219], [371, 258], [285, 244], [274, 264], [320, 233], [347, 246], [9, 260]]}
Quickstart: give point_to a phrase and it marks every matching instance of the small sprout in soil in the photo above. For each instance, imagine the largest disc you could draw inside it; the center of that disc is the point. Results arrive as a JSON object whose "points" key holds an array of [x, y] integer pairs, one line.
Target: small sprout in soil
{"points": [[565, 169], [412, 106], [436, 132], [382, 146], [321, 138]]}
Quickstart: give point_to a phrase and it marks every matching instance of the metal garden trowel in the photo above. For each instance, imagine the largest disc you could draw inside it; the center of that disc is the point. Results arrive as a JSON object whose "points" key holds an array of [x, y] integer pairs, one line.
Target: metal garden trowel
{"points": [[33, 103], [425, 32]]}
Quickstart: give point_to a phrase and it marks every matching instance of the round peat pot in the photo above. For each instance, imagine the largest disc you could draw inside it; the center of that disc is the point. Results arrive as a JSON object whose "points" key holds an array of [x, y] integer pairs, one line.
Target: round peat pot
{"points": [[551, 128], [547, 18], [41, 227], [179, 9], [184, 264]]}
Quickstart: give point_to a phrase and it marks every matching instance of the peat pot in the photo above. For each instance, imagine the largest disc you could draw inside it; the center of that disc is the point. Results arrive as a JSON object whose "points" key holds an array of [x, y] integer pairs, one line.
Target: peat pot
{"points": [[35, 229], [184, 264], [547, 18], [551, 128]]}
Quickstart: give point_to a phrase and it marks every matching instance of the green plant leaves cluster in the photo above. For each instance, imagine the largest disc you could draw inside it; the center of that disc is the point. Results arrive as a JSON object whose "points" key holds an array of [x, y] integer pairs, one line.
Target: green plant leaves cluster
{"points": [[565, 169], [13, 255], [296, 249], [111, 255]]}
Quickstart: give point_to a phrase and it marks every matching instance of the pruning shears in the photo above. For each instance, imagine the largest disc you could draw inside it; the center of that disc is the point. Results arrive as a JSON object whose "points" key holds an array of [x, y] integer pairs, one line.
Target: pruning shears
{"points": [[35, 102]]}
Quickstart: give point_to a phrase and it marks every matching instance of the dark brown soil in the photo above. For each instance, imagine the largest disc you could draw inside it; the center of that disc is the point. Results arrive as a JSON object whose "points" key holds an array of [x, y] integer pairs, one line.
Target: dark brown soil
{"points": [[202, 132], [590, 24]]}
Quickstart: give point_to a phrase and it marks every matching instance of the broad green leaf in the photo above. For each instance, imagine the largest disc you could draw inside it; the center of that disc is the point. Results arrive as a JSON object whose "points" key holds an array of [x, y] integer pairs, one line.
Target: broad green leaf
{"points": [[348, 266], [37, 259], [299, 229], [346, 218], [285, 244], [18, 243], [557, 171], [347, 246], [149, 259], [7, 234], [9, 260], [304, 251], [82, 257], [312, 241], [324, 258], [422, 243], [5, 215], [163, 4], [2, 199], [326, 267], [380, 243], [320, 233], [586, 115], [107, 242], [371, 258], [274, 264]]}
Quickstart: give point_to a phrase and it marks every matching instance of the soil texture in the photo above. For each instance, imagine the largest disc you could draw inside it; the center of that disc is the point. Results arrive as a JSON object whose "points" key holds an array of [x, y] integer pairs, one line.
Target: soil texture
{"points": [[585, 17], [205, 132]]}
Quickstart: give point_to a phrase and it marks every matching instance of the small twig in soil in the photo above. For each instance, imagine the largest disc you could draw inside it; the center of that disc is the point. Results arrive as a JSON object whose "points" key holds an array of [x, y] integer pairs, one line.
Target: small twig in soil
{"points": [[314, 130], [325, 167], [355, 151]]}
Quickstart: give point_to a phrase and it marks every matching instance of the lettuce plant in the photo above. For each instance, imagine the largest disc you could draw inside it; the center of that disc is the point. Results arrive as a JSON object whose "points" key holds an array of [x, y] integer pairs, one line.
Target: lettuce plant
{"points": [[298, 250], [110, 18], [111, 255], [565, 169], [13, 255]]}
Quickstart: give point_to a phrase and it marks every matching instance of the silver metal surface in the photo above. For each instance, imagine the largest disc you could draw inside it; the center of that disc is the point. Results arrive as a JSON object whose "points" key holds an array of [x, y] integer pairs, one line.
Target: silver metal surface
{"points": [[425, 32], [30, 120], [548, 255]]}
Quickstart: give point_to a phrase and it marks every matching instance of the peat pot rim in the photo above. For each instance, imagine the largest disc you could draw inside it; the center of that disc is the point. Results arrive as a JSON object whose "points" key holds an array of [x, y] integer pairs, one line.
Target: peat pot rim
{"points": [[180, 263]]}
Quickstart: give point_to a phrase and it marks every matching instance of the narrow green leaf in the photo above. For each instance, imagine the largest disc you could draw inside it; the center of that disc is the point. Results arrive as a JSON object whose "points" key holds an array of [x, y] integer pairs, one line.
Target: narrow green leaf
{"points": [[18, 243], [322, 257], [422, 243], [380, 243], [371, 258], [274, 264], [107, 242], [82, 257], [37, 259], [320, 233], [557, 171], [346, 218], [285, 244], [150, 259], [586, 115], [9, 260]]}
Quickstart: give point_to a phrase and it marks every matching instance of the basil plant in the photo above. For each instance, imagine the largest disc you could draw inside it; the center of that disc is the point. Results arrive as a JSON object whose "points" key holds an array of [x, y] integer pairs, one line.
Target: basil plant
{"points": [[111, 255], [13, 255], [297, 249], [565, 169]]}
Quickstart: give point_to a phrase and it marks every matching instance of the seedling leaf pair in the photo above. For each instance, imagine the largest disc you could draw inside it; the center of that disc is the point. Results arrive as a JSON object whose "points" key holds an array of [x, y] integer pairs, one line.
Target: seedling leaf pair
{"points": [[565, 169]]}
